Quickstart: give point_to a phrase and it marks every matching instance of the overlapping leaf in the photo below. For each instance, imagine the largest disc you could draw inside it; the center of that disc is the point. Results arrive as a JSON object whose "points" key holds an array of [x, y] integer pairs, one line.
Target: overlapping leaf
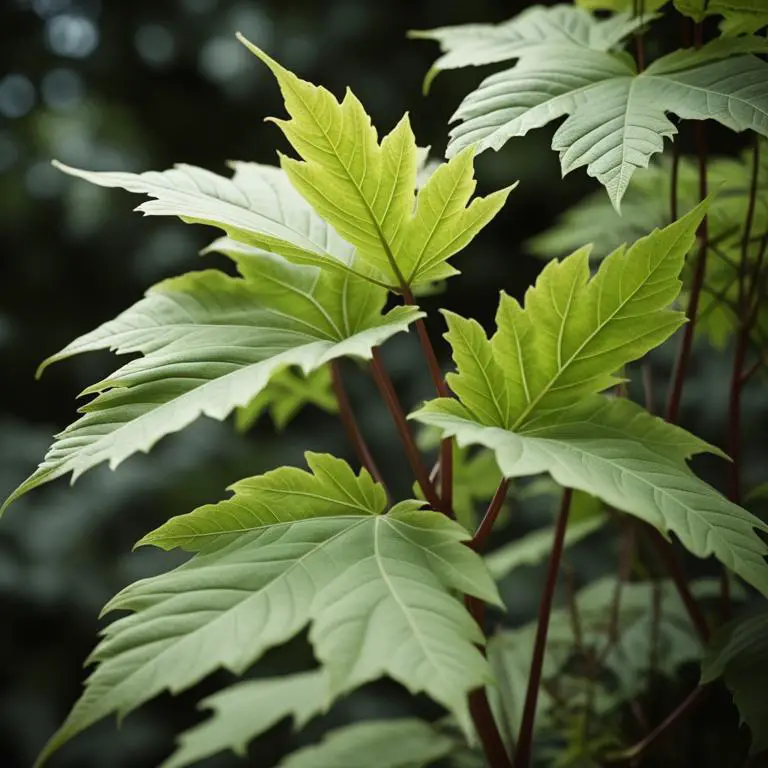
{"points": [[244, 710], [405, 743], [528, 394], [740, 17], [560, 25], [380, 593], [739, 653], [616, 117], [366, 190], [210, 343]]}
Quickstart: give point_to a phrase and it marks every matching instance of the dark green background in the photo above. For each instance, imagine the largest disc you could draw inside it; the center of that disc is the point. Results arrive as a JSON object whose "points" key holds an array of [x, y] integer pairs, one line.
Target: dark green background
{"points": [[142, 84]]}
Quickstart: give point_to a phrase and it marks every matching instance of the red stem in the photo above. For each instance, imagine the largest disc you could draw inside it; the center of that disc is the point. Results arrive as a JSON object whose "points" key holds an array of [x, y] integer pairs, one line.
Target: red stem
{"points": [[639, 46], [525, 740], [446, 445], [483, 531], [480, 709], [387, 390], [352, 427]]}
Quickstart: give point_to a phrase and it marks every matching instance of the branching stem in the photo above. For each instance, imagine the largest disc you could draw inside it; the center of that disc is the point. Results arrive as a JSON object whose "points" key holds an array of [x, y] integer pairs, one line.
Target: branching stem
{"points": [[525, 739], [483, 531]]}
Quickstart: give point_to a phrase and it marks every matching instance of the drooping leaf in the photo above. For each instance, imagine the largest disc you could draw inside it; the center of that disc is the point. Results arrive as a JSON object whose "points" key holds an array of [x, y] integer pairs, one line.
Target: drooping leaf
{"points": [[380, 593], [366, 189], [210, 343], [286, 393], [740, 17], [616, 117], [633, 462], [472, 45], [405, 743], [739, 654], [244, 710]]}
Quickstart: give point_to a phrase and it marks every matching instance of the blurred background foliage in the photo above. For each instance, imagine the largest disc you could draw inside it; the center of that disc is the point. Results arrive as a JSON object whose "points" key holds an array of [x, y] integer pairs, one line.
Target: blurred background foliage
{"points": [[109, 85]]}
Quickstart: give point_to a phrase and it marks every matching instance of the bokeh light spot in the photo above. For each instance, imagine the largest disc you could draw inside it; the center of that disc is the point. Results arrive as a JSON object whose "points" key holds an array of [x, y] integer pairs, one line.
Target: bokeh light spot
{"points": [[155, 44], [71, 35], [62, 89], [17, 95]]}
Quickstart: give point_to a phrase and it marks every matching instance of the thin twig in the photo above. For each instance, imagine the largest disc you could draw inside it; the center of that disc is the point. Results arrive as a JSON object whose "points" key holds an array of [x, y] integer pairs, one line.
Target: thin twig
{"points": [[387, 390], [349, 421], [489, 518], [675, 570], [525, 739]]}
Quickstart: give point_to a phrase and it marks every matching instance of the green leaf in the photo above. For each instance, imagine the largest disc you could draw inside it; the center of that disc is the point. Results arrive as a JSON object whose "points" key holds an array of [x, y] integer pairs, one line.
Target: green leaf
{"points": [[534, 547], [380, 593], [739, 654], [366, 190], [471, 45], [331, 489], [256, 207], [740, 17], [616, 118], [574, 333], [244, 710], [644, 6], [286, 394], [406, 743], [634, 462], [210, 343]]}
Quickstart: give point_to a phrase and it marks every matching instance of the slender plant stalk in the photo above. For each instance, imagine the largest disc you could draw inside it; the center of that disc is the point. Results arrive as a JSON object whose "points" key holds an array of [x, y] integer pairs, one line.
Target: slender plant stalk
{"points": [[387, 390], [673, 181], [446, 445], [675, 570], [352, 427], [634, 753], [525, 739], [483, 531], [479, 707], [686, 343], [637, 10]]}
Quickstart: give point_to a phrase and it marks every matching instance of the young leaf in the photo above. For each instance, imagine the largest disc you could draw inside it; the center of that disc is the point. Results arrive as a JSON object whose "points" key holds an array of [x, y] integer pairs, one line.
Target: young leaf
{"points": [[616, 117], [739, 654], [380, 593], [472, 45], [402, 743], [366, 190], [574, 333], [286, 393], [244, 710], [210, 343]]}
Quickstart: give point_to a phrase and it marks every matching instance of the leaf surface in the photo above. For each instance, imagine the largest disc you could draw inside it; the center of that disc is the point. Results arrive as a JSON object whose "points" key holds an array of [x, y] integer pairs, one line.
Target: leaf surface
{"points": [[209, 344], [244, 710], [366, 189], [380, 593]]}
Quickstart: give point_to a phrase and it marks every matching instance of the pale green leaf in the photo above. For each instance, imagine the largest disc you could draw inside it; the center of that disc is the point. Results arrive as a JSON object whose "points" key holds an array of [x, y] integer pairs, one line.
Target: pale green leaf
{"points": [[379, 743], [381, 594], [643, 7], [634, 462], [256, 207], [739, 654], [209, 344], [740, 17], [366, 190], [286, 394], [574, 333], [244, 710], [330, 489], [561, 25], [616, 117]]}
